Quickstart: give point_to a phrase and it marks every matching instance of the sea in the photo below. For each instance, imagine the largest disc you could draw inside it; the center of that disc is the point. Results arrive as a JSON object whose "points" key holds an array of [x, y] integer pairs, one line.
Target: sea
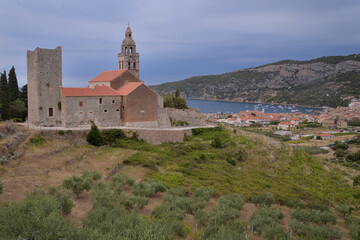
{"points": [[210, 106]]}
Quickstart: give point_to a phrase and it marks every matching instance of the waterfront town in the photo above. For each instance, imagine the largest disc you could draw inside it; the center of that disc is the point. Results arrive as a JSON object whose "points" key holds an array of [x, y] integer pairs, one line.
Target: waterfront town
{"points": [[330, 119]]}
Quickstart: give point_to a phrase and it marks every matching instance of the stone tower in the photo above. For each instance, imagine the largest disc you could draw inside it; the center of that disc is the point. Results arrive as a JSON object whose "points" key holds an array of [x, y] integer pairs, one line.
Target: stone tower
{"points": [[44, 75], [128, 58]]}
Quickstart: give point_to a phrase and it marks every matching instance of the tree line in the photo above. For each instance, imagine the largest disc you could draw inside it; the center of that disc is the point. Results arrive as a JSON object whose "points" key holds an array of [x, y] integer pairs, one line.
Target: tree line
{"points": [[13, 102]]}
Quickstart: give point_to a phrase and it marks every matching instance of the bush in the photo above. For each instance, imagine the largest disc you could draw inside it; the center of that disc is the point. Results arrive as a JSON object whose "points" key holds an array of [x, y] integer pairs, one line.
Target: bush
{"points": [[313, 216], [265, 199], [340, 145], [274, 232], [353, 157], [61, 133], [353, 224], [118, 181], [343, 209], [295, 203], [38, 216], [231, 161], [111, 135], [134, 202], [339, 153], [356, 180], [231, 201], [265, 217], [308, 231], [37, 140], [203, 194], [148, 188], [319, 206], [64, 200], [1, 187], [94, 137], [80, 184], [217, 143]]}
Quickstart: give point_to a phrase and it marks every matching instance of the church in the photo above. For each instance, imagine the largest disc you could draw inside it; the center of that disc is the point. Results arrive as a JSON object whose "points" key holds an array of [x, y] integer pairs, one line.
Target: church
{"points": [[111, 99]]}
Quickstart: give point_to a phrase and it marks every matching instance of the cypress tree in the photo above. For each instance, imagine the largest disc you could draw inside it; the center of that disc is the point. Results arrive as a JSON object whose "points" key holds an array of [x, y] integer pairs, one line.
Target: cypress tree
{"points": [[4, 98], [13, 85]]}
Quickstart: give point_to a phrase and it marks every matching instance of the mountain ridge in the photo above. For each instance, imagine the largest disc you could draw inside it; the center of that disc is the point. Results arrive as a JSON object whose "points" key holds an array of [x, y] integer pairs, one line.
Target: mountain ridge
{"points": [[323, 81]]}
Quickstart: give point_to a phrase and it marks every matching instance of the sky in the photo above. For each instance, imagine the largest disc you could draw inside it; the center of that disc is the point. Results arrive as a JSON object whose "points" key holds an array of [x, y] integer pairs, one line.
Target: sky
{"points": [[176, 39]]}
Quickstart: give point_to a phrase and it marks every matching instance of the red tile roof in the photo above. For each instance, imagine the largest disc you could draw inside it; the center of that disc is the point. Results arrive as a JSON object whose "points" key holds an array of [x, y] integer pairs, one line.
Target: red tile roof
{"points": [[128, 88], [85, 92], [108, 76], [323, 134]]}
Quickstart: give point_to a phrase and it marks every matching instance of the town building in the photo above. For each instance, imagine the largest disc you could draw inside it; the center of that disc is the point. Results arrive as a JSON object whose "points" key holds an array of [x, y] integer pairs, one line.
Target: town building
{"points": [[113, 98]]}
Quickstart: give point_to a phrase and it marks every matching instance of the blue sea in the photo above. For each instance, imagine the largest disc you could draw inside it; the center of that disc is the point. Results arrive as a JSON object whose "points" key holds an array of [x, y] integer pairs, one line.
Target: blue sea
{"points": [[209, 106]]}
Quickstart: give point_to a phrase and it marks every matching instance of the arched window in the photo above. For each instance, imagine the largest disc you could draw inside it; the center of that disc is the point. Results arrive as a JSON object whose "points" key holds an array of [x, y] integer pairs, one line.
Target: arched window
{"points": [[134, 65], [125, 50], [130, 49], [128, 65]]}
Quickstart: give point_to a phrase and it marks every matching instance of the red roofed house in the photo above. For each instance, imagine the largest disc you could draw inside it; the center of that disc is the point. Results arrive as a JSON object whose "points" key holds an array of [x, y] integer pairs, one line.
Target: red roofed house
{"points": [[113, 98], [323, 135]]}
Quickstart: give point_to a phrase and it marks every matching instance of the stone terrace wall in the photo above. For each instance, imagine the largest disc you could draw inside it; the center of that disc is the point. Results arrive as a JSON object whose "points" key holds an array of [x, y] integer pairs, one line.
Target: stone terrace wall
{"points": [[191, 116]]}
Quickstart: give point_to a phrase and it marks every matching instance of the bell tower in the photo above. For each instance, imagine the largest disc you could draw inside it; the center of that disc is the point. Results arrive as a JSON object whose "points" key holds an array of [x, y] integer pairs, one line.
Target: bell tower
{"points": [[128, 58]]}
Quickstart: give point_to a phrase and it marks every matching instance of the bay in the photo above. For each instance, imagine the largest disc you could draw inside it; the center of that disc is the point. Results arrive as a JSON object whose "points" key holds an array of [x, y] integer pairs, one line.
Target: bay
{"points": [[211, 106]]}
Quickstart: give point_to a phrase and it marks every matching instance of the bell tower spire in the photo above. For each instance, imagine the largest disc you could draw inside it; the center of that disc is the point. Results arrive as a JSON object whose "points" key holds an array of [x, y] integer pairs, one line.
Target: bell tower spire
{"points": [[128, 58]]}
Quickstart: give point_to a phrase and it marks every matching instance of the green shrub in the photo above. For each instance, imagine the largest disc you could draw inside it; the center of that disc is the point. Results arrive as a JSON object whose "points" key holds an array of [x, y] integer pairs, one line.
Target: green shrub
{"points": [[309, 231], [61, 133], [111, 135], [104, 196], [265, 217], [356, 180], [339, 153], [295, 203], [118, 181], [343, 209], [274, 232], [38, 216], [232, 230], [203, 194], [319, 206], [265, 199], [37, 140], [1, 187], [313, 216], [181, 123], [340, 145], [353, 223], [231, 161], [64, 200], [94, 137], [77, 184], [217, 143], [231, 201], [353, 157], [148, 188], [93, 175], [134, 202]]}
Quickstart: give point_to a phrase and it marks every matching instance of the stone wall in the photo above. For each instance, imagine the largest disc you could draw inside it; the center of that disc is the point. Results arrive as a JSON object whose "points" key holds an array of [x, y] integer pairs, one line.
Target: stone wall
{"points": [[191, 116], [44, 75], [157, 136], [105, 114]]}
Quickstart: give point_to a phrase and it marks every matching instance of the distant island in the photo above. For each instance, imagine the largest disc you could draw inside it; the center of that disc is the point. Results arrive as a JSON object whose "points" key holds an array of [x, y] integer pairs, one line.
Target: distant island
{"points": [[326, 81]]}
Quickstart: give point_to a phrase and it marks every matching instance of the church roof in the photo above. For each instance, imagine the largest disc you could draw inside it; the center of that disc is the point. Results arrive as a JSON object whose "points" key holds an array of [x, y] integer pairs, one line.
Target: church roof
{"points": [[127, 88], [108, 76], [87, 92]]}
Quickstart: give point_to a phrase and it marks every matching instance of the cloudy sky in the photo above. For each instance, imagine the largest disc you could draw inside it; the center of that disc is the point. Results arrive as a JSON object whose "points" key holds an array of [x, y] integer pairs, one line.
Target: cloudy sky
{"points": [[176, 39]]}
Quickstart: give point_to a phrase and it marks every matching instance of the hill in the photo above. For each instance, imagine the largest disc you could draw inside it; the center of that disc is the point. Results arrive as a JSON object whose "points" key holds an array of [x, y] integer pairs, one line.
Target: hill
{"points": [[319, 82], [215, 182]]}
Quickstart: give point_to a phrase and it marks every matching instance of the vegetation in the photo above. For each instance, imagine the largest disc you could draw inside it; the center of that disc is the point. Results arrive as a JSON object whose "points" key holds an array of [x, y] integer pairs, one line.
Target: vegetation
{"points": [[175, 101], [313, 149], [265, 222], [12, 106], [80, 184], [355, 122], [37, 140], [1, 187], [94, 137]]}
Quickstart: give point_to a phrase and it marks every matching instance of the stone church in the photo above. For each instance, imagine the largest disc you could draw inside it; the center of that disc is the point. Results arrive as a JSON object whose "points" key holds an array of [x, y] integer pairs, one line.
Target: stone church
{"points": [[113, 98]]}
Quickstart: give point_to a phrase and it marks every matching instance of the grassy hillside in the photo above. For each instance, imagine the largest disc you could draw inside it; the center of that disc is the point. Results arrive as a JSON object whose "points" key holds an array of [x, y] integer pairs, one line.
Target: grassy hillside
{"points": [[218, 184]]}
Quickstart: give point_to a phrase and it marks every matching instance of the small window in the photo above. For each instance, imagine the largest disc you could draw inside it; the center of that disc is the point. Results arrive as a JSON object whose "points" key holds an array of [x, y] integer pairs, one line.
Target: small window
{"points": [[122, 108], [117, 110], [128, 65], [80, 104], [129, 34], [51, 112], [100, 100], [113, 101], [105, 110]]}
